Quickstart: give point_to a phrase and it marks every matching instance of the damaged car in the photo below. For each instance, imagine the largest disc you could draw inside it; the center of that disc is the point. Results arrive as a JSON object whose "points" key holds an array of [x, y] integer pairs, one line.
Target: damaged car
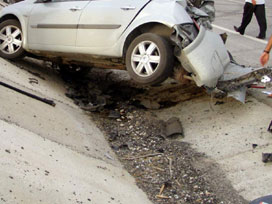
{"points": [[148, 38]]}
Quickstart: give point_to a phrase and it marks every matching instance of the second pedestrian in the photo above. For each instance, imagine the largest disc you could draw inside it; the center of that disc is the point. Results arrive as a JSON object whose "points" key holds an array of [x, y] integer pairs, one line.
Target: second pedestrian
{"points": [[258, 8]]}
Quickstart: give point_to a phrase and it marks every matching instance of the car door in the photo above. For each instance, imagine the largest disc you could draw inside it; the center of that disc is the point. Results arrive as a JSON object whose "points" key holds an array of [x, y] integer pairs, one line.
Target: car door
{"points": [[103, 21], [53, 24]]}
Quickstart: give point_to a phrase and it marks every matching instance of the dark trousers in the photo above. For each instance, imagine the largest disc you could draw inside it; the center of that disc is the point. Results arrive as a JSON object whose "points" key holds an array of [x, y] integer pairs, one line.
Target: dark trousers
{"points": [[259, 11]]}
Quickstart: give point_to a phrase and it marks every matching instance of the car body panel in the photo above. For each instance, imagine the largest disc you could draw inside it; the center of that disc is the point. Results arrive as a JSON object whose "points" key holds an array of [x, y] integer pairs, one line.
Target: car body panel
{"points": [[54, 24], [154, 13], [168, 13], [104, 30], [43, 39]]}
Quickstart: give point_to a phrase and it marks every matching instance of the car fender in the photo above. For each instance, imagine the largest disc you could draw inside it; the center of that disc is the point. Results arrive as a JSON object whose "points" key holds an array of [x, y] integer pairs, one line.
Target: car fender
{"points": [[168, 13], [21, 14]]}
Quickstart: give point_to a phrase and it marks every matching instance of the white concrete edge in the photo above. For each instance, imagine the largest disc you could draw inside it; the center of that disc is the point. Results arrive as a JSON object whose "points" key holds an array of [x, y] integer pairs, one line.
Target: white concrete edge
{"points": [[235, 33], [238, 2]]}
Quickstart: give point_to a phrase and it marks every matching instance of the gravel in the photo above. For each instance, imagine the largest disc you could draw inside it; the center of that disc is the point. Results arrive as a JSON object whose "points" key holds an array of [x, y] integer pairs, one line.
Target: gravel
{"points": [[165, 168]]}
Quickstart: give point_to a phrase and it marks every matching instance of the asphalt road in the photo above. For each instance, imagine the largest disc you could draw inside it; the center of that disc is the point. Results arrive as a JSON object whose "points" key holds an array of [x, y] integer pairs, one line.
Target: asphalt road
{"points": [[246, 49]]}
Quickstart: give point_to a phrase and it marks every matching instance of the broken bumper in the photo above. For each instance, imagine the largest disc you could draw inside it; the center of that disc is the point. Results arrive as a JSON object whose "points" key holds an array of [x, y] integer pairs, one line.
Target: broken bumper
{"points": [[205, 58]]}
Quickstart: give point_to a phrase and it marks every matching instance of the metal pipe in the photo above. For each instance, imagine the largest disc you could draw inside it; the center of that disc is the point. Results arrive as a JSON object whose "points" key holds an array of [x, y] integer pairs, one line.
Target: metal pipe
{"points": [[47, 101]]}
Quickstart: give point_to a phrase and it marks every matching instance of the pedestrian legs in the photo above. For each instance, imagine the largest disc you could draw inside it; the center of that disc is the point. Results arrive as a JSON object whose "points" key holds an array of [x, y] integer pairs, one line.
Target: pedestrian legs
{"points": [[259, 12], [247, 16]]}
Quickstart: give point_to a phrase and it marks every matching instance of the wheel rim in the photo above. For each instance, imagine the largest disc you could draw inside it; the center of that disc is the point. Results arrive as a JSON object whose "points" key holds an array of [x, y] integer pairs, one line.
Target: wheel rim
{"points": [[10, 39], [145, 58]]}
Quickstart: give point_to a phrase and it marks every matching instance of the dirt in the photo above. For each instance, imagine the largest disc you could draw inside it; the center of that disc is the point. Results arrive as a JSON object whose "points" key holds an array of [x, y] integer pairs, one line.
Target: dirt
{"points": [[166, 169]]}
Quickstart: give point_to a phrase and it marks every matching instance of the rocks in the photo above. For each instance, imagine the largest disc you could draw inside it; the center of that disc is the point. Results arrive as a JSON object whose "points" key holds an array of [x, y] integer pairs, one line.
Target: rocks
{"points": [[139, 138]]}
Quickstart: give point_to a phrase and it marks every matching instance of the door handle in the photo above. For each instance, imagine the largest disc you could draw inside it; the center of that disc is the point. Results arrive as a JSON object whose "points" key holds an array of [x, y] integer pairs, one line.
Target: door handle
{"points": [[75, 9], [126, 8]]}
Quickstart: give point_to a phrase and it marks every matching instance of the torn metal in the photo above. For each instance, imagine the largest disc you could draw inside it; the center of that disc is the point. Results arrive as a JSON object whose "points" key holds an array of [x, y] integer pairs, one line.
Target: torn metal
{"points": [[203, 11], [204, 56]]}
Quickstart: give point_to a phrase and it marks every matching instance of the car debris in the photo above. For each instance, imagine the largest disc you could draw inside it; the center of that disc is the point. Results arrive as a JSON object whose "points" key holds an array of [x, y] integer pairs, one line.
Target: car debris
{"points": [[270, 127], [254, 86], [44, 100], [265, 79], [254, 146], [33, 81], [173, 127], [267, 157], [268, 93]]}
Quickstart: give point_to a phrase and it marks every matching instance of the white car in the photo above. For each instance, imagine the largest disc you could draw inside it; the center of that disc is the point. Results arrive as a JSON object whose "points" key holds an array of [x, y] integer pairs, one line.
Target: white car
{"points": [[148, 38]]}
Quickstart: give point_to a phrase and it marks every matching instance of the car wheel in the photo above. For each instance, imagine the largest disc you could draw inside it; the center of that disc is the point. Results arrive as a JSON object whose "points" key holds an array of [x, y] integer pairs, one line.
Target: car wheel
{"points": [[149, 59], [73, 70], [11, 39]]}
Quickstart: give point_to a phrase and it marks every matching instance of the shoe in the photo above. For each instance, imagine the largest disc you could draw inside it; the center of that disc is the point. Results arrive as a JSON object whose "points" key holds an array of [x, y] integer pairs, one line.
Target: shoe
{"points": [[260, 37], [237, 30]]}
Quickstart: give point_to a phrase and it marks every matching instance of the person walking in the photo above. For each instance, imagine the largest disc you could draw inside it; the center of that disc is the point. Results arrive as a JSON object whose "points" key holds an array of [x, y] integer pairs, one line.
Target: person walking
{"points": [[265, 55], [258, 8]]}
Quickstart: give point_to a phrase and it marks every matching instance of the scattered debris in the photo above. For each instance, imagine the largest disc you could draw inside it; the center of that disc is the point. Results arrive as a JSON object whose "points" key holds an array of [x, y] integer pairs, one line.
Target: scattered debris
{"points": [[270, 127], [114, 114], [257, 86], [143, 156], [165, 169], [173, 127], [254, 146], [219, 102], [265, 79], [33, 81], [239, 94], [44, 100], [267, 157], [149, 104], [162, 197], [268, 93]]}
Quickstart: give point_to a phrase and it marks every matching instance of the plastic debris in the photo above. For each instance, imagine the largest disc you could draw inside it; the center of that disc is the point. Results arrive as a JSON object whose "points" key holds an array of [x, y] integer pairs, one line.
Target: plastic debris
{"points": [[267, 157], [268, 93], [265, 79]]}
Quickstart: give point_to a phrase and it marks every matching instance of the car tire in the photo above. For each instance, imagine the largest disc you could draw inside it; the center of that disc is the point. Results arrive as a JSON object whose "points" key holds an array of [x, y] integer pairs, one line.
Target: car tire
{"points": [[149, 59], [73, 70], [11, 39]]}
